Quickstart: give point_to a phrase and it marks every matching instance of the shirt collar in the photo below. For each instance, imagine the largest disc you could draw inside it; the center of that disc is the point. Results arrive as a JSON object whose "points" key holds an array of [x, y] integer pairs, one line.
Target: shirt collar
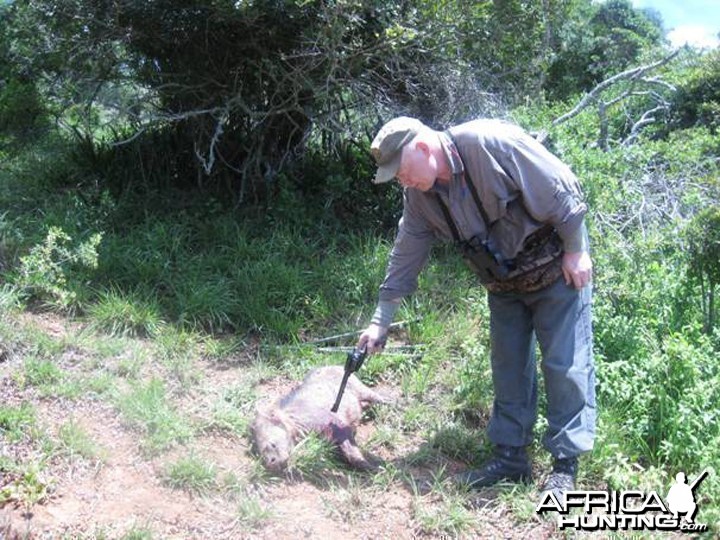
{"points": [[453, 156]]}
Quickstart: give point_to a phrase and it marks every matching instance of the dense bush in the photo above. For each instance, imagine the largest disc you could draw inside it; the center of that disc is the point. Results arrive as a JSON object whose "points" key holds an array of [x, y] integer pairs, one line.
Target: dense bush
{"points": [[237, 93], [697, 101]]}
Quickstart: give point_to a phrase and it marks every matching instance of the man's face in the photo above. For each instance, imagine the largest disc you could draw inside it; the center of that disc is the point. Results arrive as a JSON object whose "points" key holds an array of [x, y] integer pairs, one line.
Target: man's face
{"points": [[418, 167]]}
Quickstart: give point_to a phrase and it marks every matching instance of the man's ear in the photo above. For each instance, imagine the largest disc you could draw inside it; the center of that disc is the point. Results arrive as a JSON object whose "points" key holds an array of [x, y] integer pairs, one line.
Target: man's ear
{"points": [[423, 147]]}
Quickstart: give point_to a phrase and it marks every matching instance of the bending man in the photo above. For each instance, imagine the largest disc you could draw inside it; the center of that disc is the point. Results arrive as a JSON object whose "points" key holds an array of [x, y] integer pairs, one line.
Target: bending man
{"points": [[516, 213]]}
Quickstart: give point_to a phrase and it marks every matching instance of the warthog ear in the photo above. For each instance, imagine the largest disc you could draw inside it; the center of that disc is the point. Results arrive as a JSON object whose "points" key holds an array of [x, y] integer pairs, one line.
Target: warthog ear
{"points": [[267, 414], [281, 419]]}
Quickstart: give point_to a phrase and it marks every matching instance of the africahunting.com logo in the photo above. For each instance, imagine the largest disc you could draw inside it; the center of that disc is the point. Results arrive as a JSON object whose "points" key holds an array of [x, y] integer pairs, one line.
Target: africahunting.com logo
{"points": [[628, 510]]}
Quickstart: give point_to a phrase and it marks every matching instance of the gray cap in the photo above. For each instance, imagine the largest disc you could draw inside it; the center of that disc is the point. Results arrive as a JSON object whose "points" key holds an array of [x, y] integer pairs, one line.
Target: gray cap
{"points": [[387, 146]]}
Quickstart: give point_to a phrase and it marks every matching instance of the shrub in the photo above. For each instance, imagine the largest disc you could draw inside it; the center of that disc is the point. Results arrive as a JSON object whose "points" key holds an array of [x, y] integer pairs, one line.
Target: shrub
{"points": [[54, 271], [21, 110], [703, 236]]}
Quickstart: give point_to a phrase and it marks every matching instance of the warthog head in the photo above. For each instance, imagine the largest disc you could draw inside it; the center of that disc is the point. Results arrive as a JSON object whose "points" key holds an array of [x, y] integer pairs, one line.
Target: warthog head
{"points": [[273, 439]]}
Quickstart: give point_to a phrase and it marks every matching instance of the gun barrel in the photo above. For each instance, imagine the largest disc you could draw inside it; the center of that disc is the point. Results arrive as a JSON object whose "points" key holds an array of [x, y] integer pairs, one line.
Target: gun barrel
{"points": [[341, 391]]}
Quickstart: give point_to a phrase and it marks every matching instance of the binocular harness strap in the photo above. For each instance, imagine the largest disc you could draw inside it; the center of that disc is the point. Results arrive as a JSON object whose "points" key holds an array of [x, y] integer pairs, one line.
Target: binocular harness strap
{"points": [[471, 186], [449, 219]]}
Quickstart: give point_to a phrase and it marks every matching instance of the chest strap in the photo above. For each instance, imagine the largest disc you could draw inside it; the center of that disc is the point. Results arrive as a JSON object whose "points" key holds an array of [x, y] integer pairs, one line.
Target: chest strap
{"points": [[471, 187]]}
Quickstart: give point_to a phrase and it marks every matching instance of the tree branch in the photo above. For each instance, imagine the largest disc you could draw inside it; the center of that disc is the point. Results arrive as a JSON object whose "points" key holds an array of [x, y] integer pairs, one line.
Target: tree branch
{"points": [[590, 97]]}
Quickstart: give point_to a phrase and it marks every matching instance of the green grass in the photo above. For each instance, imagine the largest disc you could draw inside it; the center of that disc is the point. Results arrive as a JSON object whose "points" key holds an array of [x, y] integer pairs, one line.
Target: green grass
{"points": [[135, 532], [27, 485], [441, 509], [125, 314], [232, 410], [75, 442], [351, 503], [192, 474], [42, 372], [138, 533], [10, 298], [147, 408], [178, 350], [313, 456], [252, 513], [23, 477], [17, 422], [50, 380]]}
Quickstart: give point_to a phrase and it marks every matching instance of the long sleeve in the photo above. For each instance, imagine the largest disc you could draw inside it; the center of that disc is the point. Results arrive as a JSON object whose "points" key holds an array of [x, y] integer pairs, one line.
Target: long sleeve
{"points": [[549, 189], [409, 254]]}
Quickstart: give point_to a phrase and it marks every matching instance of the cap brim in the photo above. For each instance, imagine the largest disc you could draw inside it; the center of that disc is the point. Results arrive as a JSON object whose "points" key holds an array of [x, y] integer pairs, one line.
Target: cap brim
{"points": [[387, 172]]}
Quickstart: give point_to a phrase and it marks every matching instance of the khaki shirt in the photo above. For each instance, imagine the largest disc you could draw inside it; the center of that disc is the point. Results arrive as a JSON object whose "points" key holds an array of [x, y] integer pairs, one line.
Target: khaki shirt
{"points": [[522, 187]]}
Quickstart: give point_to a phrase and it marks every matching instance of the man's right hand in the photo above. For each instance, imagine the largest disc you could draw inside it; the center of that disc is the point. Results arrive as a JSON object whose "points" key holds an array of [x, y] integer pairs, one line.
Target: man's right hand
{"points": [[374, 336]]}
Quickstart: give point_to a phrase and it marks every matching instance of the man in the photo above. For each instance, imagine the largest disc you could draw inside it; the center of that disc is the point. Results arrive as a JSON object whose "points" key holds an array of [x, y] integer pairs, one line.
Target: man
{"points": [[516, 212]]}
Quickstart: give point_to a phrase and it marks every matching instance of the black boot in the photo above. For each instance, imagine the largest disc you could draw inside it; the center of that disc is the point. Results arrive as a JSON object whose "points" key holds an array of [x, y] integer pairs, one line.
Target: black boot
{"points": [[509, 463], [561, 479]]}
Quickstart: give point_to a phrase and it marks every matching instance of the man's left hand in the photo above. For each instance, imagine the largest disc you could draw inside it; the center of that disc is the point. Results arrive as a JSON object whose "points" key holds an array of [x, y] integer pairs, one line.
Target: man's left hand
{"points": [[577, 269]]}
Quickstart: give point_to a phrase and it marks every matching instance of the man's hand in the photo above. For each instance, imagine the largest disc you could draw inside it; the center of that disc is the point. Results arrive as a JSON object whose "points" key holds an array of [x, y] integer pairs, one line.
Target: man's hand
{"points": [[374, 337], [577, 269]]}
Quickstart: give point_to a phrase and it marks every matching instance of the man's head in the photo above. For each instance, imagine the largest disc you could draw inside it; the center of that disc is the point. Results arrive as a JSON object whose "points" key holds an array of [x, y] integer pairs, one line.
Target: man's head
{"points": [[406, 149]]}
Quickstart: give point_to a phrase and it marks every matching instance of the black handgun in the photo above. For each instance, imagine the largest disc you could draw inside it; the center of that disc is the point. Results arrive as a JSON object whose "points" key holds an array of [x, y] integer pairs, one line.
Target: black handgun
{"points": [[353, 362]]}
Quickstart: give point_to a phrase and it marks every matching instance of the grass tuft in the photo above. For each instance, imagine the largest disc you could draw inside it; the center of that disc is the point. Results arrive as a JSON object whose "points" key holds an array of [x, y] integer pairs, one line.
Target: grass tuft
{"points": [[16, 422], [147, 408], [441, 510], [74, 442], [192, 474], [252, 513], [10, 298], [125, 314], [312, 456]]}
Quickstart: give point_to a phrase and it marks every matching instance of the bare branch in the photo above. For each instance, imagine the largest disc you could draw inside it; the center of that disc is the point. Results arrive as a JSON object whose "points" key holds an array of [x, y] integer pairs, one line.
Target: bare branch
{"points": [[207, 164], [630, 74], [646, 119], [636, 77]]}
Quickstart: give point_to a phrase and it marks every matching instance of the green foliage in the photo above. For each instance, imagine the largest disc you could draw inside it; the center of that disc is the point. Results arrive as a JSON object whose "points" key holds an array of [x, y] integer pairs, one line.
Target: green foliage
{"points": [[75, 442], [659, 399], [131, 314], [15, 422], [188, 107], [55, 271], [251, 513], [138, 533], [697, 101], [148, 408], [42, 372], [448, 516], [21, 109], [191, 473], [10, 298], [27, 486], [703, 236], [612, 36], [244, 95], [217, 274], [312, 456]]}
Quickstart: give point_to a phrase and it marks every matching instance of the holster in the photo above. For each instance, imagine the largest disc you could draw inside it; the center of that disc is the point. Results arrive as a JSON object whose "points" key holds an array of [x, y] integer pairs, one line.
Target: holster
{"points": [[482, 261]]}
